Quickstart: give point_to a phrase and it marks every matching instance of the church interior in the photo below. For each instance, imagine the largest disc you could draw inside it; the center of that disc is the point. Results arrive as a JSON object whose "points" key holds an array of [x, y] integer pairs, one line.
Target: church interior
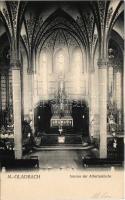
{"points": [[61, 83]]}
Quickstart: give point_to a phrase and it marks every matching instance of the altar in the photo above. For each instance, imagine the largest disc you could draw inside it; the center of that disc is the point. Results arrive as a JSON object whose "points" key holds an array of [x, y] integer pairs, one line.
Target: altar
{"points": [[63, 121], [61, 107]]}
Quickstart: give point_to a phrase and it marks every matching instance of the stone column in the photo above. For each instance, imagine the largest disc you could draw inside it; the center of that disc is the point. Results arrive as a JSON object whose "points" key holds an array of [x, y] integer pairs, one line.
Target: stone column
{"points": [[26, 88], [35, 94], [94, 101], [118, 96], [35, 99], [110, 82], [102, 64], [91, 110], [118, 90], [31, 97], [16, 88]]}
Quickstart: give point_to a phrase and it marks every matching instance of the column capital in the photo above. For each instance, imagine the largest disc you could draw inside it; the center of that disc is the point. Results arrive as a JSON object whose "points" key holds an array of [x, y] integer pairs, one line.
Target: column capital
{"points": [[102, 63], [110, 63], [117, 68], [15, 64], [30, 71]]}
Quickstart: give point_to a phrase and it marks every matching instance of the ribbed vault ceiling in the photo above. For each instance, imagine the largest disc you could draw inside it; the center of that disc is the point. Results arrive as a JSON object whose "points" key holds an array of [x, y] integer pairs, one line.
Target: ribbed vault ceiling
{"points": [[85, 22]]}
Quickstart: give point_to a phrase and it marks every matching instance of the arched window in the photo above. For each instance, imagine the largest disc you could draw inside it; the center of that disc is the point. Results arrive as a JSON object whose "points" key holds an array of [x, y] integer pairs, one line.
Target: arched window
{"points": [[43, 75], [60, 61], [77, 62], [77, 70], [43, 61]]}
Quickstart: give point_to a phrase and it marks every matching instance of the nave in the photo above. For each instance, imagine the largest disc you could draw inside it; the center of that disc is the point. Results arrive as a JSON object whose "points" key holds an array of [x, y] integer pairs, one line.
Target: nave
{"points": [[61, 80]]}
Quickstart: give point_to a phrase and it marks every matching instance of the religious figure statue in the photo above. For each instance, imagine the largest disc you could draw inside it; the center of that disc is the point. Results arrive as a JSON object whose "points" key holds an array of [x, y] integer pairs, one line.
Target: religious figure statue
{"points": [[112, 123]]}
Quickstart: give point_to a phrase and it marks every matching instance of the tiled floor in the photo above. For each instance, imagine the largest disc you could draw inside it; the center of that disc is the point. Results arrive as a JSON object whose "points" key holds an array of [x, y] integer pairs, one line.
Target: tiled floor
{"points": [[62, 158]]}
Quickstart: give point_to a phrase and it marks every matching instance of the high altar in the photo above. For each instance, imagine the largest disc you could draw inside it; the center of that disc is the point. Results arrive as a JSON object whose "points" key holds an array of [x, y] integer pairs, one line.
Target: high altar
{"points": [[61, 107]]}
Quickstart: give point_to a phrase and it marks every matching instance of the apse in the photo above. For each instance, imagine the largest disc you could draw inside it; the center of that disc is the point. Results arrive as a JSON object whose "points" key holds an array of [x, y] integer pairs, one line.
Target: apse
{"points": [[61, 81], [61, 55]]}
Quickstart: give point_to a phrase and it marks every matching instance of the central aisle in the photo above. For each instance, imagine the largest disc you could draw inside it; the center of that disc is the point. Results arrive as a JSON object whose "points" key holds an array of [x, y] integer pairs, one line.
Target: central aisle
{"points": [[55, 159]]}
